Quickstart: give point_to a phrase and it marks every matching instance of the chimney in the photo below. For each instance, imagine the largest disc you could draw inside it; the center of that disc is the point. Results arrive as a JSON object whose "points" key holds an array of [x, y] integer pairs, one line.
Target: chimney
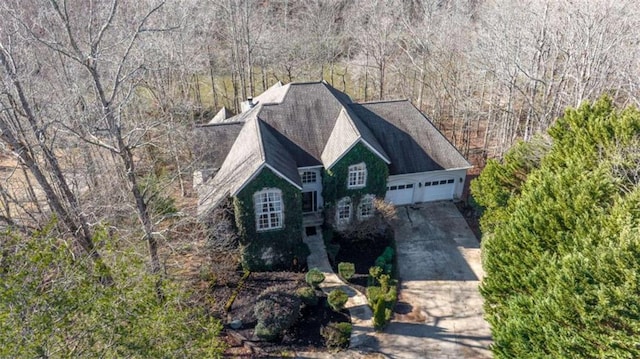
{"points": [[247, 105]]}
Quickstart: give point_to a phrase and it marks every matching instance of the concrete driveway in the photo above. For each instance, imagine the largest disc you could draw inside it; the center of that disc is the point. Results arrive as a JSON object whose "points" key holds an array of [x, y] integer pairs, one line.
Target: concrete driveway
{"points": [[439, 314]]}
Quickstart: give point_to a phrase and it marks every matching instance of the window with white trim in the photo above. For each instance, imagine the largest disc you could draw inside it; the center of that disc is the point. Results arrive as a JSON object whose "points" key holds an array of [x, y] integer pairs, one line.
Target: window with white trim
{"points": [[365, 208], [269, 209], [343, 210], [357, 176], [309, 177]]}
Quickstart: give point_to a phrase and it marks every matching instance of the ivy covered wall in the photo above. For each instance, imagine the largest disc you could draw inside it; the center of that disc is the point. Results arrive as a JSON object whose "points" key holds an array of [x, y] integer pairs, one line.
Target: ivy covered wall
{"points": [[335, 179], [273, 249]]}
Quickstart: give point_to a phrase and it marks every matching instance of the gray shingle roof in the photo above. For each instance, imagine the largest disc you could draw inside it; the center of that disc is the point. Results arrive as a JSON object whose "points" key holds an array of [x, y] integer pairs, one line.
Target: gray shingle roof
{"points": [[412, 142], [254, 148], [348, 130], [306, 116], [211, 143], [273, 94], [221, 116], [312, 124]]}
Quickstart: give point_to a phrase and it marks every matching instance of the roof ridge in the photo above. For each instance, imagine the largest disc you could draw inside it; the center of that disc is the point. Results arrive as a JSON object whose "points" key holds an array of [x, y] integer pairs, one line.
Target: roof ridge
{"points": [[263, 154], [351, 123], [380, 101], [306, 82], [201, 125]]}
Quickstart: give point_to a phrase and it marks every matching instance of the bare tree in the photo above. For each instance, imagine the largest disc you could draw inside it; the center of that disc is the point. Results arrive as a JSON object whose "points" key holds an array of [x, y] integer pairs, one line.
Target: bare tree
{"points": [[92, 54]]}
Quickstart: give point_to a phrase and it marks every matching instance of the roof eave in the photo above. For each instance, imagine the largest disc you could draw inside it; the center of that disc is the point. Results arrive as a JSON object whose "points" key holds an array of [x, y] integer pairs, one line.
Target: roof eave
{"points": [[257, 171]]}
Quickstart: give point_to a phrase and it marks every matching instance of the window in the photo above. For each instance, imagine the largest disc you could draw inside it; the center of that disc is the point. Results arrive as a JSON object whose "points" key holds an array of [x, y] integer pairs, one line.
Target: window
{"points": [[269, 213], [443, 182], [450, 180], [365, 208], [427, 184], [357, 176], [343, 210], [309, 177]]}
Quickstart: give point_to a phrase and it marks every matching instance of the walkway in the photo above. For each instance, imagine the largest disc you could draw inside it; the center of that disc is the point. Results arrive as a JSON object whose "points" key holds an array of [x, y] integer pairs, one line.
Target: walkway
{"points": [[361, 316], [439, 312]]}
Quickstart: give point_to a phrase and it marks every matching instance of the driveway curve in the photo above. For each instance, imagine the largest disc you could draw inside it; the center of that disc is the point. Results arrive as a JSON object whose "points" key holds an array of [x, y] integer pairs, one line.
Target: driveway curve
{"points": [[439, 313]]}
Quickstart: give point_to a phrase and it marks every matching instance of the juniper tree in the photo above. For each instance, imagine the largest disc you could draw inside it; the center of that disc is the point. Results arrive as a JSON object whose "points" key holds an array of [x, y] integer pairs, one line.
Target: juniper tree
{"points": [[561, 240]]}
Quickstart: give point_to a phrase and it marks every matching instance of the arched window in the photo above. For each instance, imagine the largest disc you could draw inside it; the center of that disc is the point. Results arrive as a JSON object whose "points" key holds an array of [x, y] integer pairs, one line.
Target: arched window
{"points": [[269, 209], [365, 208], [343, 210]]}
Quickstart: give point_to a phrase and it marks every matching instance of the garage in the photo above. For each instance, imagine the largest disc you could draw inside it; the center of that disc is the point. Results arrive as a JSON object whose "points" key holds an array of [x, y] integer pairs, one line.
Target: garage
{"points": [[425, 187], [436, 190], [399, 193]]}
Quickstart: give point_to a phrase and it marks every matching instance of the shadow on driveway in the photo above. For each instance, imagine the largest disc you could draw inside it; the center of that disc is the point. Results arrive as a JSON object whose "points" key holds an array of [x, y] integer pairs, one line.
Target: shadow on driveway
{"points": [[439, 314]]}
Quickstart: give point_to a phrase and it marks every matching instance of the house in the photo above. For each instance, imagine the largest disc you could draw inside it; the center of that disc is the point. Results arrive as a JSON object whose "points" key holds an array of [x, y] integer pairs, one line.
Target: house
{"points": [[301, 150]]}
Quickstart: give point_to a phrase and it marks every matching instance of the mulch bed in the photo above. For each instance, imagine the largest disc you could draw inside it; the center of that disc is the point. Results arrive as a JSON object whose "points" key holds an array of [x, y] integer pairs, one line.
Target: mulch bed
{"points": [[362, 253], [303, 336]]}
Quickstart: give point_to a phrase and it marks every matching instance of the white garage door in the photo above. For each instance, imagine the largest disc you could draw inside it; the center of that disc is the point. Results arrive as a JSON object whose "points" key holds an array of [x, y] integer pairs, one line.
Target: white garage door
{"points": [[399, 194], [436, 190]]}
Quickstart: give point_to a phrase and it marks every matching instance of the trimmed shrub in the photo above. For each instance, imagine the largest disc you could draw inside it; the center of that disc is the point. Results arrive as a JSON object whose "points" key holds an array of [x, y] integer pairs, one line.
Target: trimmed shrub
{"points": [[380, 262], [276, 310], [337, 298], [386, 295], [314, 277], [388, 254], [374, 274], [346, 270], [336, 335], [373, 294], [264, 332], [388, 268], [379, 314], [308, 296]]}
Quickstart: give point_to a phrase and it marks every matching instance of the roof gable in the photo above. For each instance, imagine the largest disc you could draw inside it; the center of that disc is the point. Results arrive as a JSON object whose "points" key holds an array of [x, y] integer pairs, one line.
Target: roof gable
{"points": [[220, 117], [274, 94], [347, 131], [254, 148]]}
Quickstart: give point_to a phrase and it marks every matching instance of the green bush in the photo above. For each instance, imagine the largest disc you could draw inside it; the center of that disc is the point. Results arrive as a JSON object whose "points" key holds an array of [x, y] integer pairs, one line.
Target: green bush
{"points": [[336, 335], [346, 270], [373, 294], [314, 277], [276, 310], [308, 296], [374, 274], [388, 254], [267, 333], [337, 298], [388, 268], [380, 262], [379, 314], [386, 295]]}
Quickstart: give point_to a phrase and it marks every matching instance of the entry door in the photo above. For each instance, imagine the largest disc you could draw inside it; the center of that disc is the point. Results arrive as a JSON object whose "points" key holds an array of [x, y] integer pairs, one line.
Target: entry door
{"points": [[309, 202]]}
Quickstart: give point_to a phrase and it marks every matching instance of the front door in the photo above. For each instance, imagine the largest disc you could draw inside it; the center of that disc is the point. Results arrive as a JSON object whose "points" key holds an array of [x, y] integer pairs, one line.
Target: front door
{"points": [[309, 201]]}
